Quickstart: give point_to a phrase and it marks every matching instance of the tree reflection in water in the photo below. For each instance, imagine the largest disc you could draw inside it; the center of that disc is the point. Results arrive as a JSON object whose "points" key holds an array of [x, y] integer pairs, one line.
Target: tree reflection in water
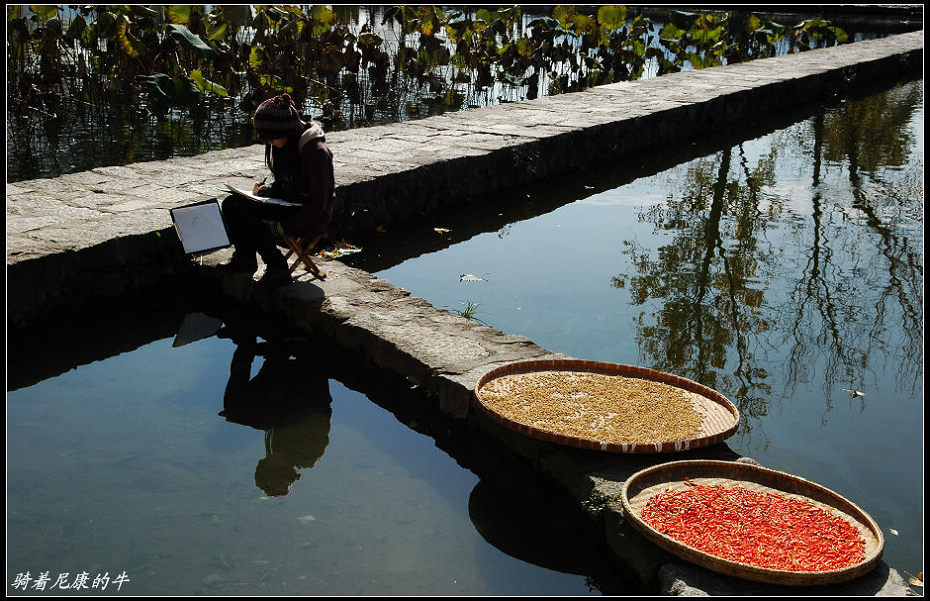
{"points": [[833, 282]]}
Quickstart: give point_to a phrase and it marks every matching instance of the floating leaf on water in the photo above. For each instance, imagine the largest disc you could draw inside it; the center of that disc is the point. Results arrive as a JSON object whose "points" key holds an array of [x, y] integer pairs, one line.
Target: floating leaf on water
{"points": [[340, 252], [341, 248], [306, 519], [441, 230], [893, 531], [467, 277]]}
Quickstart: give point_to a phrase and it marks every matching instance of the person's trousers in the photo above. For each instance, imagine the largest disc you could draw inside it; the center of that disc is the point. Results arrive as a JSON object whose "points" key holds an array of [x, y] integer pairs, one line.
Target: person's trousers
{"points": [[248, 231]]}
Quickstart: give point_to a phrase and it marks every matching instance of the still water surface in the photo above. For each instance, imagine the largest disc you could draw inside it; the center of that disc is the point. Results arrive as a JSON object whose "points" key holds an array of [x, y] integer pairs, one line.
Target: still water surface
{"points": [[784, 271], [124, 465]]}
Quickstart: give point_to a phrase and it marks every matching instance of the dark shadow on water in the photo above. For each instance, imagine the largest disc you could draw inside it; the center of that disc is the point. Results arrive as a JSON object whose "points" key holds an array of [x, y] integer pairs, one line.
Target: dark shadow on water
{"points": [[288, 399], [538, 525], [66, 339]]}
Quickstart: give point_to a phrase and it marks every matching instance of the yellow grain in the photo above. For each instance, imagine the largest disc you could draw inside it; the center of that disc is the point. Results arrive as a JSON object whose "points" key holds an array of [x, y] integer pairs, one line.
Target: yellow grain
{"points": [[600, 407]]}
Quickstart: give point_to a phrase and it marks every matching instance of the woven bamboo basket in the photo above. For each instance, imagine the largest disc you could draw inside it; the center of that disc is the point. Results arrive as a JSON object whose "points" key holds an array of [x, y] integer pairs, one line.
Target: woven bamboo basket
{"points": [[720, 417], [643, 485]]}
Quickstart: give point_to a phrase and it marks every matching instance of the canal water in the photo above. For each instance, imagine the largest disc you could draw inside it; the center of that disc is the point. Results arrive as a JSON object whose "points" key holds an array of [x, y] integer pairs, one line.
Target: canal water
{"points": [[785, 270], [141, 464]]}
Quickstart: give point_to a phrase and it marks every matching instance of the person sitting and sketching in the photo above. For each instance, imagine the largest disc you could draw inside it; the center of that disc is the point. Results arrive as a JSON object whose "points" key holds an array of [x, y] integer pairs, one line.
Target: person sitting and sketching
{"points": [[290, 401], [302, 166]]}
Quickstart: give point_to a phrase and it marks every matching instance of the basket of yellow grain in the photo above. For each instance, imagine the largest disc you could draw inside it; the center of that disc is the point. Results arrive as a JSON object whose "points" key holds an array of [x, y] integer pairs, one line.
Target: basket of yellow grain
{"points": [[605, 406]]}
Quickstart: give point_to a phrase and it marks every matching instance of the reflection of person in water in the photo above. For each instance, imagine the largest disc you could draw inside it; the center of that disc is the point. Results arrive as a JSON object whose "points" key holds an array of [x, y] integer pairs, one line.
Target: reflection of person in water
{"points": [[289, 400]]}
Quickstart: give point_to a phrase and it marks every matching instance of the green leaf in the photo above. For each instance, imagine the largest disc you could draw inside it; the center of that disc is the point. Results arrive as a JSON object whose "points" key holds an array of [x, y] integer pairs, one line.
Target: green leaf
{"points": [[485, 15], [179, 13], [611, 16], [44, 12], [206, 86], [274, 82], [707, 35], [671, 32], [323, 19], [583, 23], [177, 90], [127, 42], [256, 56], [429, 22], [564, 15], [217, 32], [183, 36]]}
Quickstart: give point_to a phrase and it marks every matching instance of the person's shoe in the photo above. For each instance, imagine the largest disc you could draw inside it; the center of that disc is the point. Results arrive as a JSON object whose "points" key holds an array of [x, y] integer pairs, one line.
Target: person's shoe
{"points": [[236, 265], [274, 278]]}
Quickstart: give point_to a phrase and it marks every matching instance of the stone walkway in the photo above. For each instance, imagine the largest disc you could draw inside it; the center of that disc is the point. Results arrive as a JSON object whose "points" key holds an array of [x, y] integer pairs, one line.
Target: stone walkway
{"points": [[108, 232]]}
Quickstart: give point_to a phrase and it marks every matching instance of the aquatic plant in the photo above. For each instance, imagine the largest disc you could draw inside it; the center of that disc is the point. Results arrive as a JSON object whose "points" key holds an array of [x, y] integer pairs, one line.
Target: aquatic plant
{"points": [[471, 307], [347, 67], [184, 51]]}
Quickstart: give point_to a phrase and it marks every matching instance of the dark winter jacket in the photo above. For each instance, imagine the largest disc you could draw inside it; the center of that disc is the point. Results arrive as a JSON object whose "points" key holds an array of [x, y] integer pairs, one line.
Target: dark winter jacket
{"points": [[309, 181]]}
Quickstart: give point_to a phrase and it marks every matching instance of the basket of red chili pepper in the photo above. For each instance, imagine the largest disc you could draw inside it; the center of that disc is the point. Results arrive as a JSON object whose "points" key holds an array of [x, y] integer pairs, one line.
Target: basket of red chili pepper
{"points": [[752, 522]]}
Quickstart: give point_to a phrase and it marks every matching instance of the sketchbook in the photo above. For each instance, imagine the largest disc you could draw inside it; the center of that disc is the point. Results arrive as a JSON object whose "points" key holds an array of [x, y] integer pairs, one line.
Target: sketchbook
{"points": [[264, 199], [200, 226]]}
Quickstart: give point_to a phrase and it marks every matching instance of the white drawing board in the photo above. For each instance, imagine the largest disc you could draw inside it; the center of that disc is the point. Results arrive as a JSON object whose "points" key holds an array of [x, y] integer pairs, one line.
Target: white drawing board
{"points": [[200, 226]]}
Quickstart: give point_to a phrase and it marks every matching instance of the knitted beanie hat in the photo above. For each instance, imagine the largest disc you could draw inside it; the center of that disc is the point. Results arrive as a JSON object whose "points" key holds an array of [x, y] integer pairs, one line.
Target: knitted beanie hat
{"points": [[277, 118]]}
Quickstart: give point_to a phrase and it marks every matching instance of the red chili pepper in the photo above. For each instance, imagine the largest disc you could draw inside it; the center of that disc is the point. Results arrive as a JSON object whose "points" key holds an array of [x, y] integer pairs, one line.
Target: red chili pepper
{"points": [[764, 529]]}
